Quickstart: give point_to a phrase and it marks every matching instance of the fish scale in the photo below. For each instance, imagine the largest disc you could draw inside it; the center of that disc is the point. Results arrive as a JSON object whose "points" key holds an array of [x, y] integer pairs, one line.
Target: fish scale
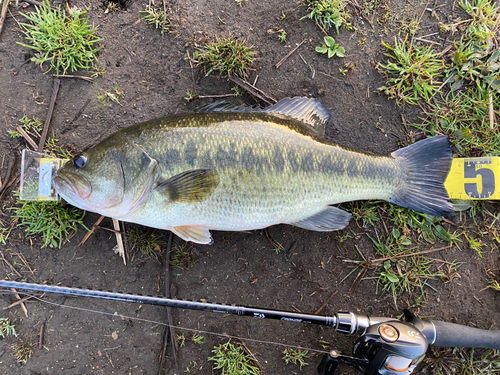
{"points": [[242, 169]]}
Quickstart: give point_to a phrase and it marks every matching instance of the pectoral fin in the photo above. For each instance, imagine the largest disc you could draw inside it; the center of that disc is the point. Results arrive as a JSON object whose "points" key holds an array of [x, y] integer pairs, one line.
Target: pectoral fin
{"points": [[332, 218], [190, 186], [194, 233]]}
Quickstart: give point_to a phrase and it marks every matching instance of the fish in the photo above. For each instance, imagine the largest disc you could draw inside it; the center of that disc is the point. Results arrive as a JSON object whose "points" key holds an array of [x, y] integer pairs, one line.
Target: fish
{"points": [[235, 168]]}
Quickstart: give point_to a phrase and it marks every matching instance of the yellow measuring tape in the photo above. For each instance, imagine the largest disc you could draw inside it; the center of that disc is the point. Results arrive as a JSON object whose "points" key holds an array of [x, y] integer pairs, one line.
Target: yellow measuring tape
{"points": [[474, 178]]}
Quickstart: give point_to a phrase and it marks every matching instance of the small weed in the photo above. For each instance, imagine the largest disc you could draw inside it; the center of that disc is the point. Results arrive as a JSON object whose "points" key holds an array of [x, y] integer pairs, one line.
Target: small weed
{"points": [[30, 126], [409, 27], [240, 2], [156, 18], [228, 56], [149, 242], [56, 222], [366, 212], [23, 349], [66, 43], [475, 244], [6, 328], [282, 36], [342, 238], [328, 13], [495, 285], [183, 257], [197, 339], [331, 48], [189, 96], [295, 356], [53, 148], [3, 235], [412, 73], [233, 360], [181, 340], [33, 127], [236, 90], [105, 97]]}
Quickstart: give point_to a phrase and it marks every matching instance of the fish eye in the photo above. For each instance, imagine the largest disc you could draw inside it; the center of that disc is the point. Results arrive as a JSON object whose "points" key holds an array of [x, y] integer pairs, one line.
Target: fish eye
{"points": [[80, 161]]}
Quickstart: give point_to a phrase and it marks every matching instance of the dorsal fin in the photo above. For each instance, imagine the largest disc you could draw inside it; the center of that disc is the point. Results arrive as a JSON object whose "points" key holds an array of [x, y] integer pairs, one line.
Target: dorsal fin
{"points": [[226, 107], [310, 111]]}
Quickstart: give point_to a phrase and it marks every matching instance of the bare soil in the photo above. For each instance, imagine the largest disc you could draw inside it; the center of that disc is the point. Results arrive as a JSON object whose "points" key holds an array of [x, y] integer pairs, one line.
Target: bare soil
{"points": [[154, 73]]}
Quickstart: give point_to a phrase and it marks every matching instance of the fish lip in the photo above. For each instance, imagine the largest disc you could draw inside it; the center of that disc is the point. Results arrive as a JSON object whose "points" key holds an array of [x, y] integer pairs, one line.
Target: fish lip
{"points": [[63, 183]]}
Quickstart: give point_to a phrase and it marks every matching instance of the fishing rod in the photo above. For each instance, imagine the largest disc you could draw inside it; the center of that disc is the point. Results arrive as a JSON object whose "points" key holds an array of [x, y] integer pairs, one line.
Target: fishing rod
{"points": [[386, 346]]}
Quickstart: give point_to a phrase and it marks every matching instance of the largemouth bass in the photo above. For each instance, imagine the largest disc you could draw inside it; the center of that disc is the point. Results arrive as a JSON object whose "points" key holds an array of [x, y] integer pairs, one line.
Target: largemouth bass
{"points": [[236, 169]]}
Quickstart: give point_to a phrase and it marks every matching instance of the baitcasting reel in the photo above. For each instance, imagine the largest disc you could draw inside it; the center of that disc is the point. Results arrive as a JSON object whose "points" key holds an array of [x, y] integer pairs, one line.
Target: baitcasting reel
{"points": [[392, 347]]}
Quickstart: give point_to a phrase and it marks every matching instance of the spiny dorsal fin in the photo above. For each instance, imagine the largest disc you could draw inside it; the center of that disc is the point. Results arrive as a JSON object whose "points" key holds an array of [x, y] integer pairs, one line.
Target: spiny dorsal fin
{"points": [[227, 107], [190, 186], [310, 111]]}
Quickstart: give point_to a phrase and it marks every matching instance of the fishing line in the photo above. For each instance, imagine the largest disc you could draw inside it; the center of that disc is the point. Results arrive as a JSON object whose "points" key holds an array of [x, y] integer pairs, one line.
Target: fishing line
{"points": [[117, 315]]}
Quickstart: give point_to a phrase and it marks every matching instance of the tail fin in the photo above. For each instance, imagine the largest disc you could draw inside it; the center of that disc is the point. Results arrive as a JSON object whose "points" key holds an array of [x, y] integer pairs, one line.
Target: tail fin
{"points": [[426, 165]]}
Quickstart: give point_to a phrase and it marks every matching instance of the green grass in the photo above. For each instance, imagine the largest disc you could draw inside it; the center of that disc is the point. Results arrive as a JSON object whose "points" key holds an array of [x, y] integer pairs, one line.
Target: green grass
{"points": [[295, 356], [328, 13], [7, 328], [29, 125], [56, 222], [149, 241], [155, 17], [227, 56], [65, 43], [464, 116], [483, 363], [33, 127], [472, 75], [183, 257], [232, 360], [413, 72]]}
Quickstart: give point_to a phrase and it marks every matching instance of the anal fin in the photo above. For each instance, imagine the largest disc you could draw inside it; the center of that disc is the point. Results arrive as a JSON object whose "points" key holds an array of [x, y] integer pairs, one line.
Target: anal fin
{"points": [[330, 219], [194, 233]]}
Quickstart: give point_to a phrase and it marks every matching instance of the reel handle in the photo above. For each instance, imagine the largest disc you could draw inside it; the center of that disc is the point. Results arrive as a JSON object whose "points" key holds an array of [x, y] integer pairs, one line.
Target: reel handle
{"points": [[453, 335]]}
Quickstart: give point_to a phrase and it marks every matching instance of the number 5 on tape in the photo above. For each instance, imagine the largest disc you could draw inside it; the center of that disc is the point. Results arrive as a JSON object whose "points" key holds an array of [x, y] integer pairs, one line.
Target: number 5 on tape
{"points": [[474, 178]]}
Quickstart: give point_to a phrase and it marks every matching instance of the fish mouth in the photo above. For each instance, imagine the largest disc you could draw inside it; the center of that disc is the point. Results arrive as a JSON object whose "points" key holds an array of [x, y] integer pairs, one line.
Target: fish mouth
{"points": [[72, 185]]}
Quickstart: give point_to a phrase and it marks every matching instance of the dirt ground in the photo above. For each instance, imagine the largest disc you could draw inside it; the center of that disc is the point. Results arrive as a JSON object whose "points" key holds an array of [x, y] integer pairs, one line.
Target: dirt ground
{"points": [[240, 268]]}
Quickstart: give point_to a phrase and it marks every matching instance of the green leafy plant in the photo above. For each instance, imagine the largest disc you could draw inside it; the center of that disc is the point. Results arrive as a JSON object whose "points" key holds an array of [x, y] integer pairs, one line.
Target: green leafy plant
{"points": [[412, 73], [66, 43], [232, 360], [328, 13], [331, 48], [7, 328], [228, 56], [56, 223], [155, 17], [295, 356], [282, 36]]}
